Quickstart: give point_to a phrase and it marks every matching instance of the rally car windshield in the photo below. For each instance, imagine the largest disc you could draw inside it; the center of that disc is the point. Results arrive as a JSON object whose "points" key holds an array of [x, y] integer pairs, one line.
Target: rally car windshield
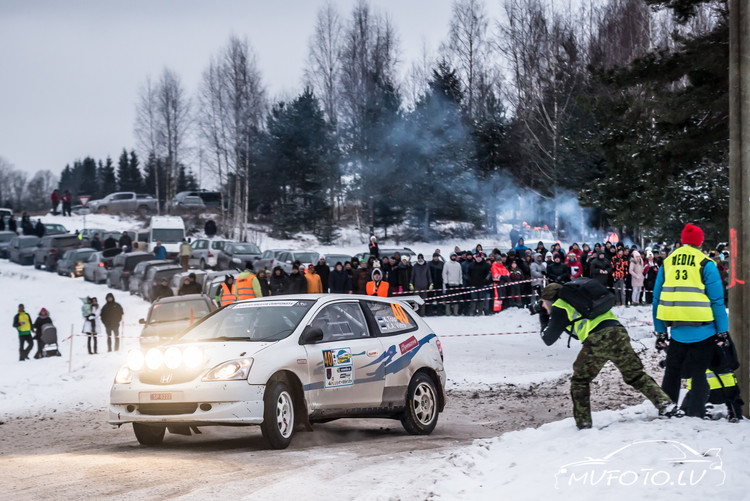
{"points": [[252, 321]]}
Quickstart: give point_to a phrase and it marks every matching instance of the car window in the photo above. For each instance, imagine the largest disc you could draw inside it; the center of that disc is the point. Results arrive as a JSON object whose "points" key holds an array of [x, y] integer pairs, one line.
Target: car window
{"points": [[340, 322], [306, 257], [246, 249], [391, 318], [218, 244], [252, 321], [180, 310], [94, 258]]}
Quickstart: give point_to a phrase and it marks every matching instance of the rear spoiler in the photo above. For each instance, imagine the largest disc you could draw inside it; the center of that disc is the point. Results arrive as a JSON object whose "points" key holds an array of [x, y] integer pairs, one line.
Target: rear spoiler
{"points": [[413, 301]]}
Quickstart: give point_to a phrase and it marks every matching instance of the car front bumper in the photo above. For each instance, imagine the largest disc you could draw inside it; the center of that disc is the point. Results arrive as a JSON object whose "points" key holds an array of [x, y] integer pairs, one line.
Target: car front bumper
{"points": [[198, 403]]}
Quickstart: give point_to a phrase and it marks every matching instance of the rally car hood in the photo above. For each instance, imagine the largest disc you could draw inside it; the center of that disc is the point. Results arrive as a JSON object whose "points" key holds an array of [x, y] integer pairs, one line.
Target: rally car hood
{"points": [[221, 351]]}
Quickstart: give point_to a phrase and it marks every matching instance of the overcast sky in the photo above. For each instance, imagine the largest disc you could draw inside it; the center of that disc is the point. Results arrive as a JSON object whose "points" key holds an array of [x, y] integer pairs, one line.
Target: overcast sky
{"points": [[70, 70]]}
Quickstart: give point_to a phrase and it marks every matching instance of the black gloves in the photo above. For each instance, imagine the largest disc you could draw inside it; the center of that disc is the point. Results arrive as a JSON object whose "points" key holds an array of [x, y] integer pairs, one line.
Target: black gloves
{"points": [[662, 340], [543, 318], [722, 337]]}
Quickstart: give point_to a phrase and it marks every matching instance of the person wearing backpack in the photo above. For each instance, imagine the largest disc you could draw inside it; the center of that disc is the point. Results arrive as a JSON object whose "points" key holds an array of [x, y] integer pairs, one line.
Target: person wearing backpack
{"points": [[582, 308]]}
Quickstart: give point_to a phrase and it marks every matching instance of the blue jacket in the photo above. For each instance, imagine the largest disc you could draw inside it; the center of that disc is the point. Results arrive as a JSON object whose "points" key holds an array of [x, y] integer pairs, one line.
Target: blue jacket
{"points": [[715, 293], [160, 252]]}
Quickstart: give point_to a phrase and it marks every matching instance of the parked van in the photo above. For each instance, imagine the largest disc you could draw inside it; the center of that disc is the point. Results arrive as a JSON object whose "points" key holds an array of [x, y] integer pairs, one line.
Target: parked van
{"points": [[169, 230]]}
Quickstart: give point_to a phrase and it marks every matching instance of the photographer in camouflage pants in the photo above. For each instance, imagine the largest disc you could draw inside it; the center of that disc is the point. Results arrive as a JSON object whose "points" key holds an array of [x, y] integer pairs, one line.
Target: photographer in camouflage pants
{"points": [[603, 339]]}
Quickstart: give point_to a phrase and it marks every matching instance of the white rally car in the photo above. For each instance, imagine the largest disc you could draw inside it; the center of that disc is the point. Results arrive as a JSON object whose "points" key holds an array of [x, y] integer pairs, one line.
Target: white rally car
{"points": [[284, 363]]}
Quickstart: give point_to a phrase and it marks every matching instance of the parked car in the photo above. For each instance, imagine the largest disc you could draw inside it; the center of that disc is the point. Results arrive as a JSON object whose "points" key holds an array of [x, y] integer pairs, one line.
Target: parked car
{"points": [[176, 281], [170, 316], [287, 259], [268, 259], [96, 268], [5, 238], [51, 248], [124, 201], [71, 263], [206, 252], [282, 363], [140, 270], [332, 259], [235, 254], [122, 266], [154, 275], [54, 229], [189, 205], [211, 199], [21, 249]]}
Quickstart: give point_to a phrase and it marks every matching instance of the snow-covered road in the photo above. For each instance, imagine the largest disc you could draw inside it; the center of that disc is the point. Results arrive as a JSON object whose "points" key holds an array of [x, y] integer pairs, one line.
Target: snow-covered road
{"points": [[56, 442]]}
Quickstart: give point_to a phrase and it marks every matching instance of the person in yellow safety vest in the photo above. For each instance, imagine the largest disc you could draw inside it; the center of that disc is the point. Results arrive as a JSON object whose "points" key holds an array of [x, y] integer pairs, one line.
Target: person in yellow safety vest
{"points": [[314, 283], [377, 287], [22, 323], [723, 390], [689, 301], [248, 285], [603, 339], [227, 292]]}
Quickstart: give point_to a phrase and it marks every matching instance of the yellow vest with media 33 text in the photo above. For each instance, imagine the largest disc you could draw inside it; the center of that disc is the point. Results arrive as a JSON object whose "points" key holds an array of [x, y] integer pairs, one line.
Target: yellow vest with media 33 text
{"points": [[683, 300]]}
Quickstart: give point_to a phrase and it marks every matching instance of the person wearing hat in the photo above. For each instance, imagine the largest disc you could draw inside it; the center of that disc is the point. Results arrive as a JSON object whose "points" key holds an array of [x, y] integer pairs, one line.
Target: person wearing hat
{"points": [[41, 320], [248, 285], [189, 286], [377, 286], [421, 280], [452, 280], [480, 275], [22, 323], [111, 316], [689, 301], [227, 292], [161, 290], [296, 283], [603, 339]]}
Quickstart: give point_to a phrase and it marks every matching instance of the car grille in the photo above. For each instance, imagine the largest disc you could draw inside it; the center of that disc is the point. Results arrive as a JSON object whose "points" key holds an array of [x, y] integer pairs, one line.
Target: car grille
{"points": [[166, 378], [168, 409]]}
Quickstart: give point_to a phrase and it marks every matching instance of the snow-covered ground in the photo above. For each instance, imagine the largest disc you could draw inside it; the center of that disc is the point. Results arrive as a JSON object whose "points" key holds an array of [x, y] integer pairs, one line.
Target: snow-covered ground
{"points": [[524, 464]]}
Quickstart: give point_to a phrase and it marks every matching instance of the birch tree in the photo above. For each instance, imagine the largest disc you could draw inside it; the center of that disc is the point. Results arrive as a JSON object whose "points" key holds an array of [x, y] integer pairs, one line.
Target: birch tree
{"points": [[324, 59]]}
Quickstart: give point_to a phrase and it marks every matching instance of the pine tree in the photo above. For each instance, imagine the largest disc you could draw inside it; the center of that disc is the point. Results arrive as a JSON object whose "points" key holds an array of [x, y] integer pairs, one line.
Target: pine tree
{"points": [[123, 172], [88, 179], [107, 180], [134, 173]]}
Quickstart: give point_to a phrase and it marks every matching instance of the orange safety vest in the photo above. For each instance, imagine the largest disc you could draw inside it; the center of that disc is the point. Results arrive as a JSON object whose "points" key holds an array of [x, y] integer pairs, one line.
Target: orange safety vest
{"points": [[228, 296], [381, 291], [245, 287], [499, 271]]}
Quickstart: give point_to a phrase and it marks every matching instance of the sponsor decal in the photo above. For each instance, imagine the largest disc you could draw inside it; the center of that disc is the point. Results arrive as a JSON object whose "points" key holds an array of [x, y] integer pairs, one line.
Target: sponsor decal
{"points": [[339, 370], [408, 345], [302, 361], [372, 353]]}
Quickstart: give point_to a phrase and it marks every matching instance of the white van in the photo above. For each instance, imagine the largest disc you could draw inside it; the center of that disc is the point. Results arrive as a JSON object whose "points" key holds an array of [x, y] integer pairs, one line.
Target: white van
{"points": [[169, 230]]}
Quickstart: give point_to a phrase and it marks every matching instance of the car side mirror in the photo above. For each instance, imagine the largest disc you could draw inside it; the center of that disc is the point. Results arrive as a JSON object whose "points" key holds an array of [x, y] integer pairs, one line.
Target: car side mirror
{"points": [[311, 335], [142, 321]]}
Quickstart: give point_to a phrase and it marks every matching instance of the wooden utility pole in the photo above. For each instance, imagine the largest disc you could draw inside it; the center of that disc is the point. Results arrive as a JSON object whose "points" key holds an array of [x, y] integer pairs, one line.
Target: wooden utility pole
{"points": [[739, 187]]}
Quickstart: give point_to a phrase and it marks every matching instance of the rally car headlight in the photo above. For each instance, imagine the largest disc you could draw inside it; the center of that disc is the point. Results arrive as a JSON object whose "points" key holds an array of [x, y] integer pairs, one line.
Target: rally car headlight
{"points": [[231, 370], [154, 358], [135, 360], [172, 357], [124, 375]]}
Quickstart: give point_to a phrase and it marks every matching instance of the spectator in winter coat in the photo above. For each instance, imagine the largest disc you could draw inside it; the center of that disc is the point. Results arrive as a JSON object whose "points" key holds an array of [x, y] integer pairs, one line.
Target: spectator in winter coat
{"points": [[265, 287], [514, 236], [480, 275], [39, 229], [12, 225], [66, 200], [377, 286], [111, 316], [55, 199], [628, 285], [421, 280], [619, 267], [392, 276], [278, 281], [574, 265], [110, 242], [185, 252], [540, 248], [514, 288], [160, 252], [126, 243], [296, 283], [323, 272], [96, 243], [22, 324], [557, 271], [452, 280], [373, 248], [404, 274], [600, 268], [360, 277], [41, 320], [340, 282], [314, 284], [161, 290], [650, 271], [436, 276], [520, 248], [548, 259], [537, 271], [584, 259], [189, 286], [636, 276]]}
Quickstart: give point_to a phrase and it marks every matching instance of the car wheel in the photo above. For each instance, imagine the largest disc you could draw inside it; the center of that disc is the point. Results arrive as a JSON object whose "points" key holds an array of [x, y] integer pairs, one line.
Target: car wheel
{"points": [[149, 435], [278, 415], [421, 413], [202, 264]]}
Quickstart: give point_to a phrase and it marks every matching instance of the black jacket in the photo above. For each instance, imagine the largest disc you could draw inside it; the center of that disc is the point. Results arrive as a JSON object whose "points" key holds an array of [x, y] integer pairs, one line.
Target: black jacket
{"points": [[161, 291], [324, 271], [340, 282], [278, 283], [111, 314], [479, 273], [558, 272], [600, 270], [436, 273], [296, 284], [191, 288], [110, 243]]}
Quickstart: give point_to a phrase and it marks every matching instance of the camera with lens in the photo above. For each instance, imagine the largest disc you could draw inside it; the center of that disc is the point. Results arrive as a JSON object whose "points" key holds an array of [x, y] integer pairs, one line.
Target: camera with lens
{"points": [[536, 307]]}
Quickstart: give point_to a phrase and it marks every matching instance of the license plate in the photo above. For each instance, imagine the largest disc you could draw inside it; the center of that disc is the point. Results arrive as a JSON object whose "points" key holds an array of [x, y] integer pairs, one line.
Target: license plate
{"points": [[161, 396]]}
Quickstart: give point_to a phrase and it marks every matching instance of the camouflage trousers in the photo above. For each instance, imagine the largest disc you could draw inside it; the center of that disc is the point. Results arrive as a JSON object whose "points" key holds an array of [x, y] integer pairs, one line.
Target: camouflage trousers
{"points": [[609, 343]]}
